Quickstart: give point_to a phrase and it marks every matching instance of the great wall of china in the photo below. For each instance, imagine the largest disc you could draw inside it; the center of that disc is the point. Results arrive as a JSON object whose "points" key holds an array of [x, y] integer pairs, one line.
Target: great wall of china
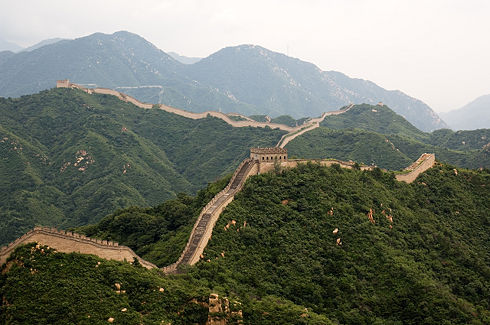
{"points": [[246, 121], [262, 160], [68, 242]]}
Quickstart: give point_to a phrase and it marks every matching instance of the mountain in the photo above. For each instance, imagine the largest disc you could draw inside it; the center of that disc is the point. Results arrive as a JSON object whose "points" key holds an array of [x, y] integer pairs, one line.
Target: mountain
{"points": [[5, 55], [123, 60], [120, 59], [9, 46], [283, 85], [247, 79], [70, 158], [377, 135], [308, 245], [475, 115], [43, 43], [184, 59]]}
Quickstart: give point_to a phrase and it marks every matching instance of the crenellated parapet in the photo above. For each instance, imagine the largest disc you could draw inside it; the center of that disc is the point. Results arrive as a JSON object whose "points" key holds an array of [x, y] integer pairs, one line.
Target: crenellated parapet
{"points": [[69, 242]]}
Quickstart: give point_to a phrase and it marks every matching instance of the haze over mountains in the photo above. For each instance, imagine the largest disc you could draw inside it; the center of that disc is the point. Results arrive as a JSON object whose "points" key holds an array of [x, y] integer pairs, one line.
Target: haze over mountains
{"points": [[475, 115], [247, 79], [9, 46]]}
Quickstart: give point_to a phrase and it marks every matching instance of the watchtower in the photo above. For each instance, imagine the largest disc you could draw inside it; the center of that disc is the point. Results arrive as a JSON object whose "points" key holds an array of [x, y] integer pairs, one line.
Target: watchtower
{"points": [[63, 83], [269, 154]]}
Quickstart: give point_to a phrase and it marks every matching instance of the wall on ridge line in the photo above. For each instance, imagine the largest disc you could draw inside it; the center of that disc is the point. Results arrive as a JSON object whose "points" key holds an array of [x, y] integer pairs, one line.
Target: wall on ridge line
{"points": [[181, 112], [67, 242], [425, 162], [264, 167]]}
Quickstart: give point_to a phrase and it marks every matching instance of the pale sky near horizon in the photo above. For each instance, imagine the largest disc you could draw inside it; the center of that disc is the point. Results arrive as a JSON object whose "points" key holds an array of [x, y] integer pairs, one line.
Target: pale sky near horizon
{"points": [[435, 50]]}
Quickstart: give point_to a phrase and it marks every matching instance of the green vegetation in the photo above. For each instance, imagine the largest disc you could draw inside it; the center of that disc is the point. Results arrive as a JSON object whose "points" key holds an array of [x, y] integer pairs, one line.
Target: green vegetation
{"points": [[429, 266], [460, 140], [288, 120], [424, 258], [236, 118], [357, 145], [157, 234], [69, 158], [40, 286], [259, 118], [379, 119], [44, 287], [376, 135], [283, 119]]}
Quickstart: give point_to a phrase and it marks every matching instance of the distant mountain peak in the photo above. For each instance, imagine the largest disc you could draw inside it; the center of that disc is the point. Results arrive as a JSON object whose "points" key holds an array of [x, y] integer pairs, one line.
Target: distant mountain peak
{"points": [[472, 116], [261, 81]]}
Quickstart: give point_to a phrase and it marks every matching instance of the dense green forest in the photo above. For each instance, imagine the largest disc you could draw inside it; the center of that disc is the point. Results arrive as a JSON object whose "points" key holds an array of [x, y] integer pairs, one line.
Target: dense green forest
{"points": [[350, 246], [69, 158], [423, 258], [376, 135]]}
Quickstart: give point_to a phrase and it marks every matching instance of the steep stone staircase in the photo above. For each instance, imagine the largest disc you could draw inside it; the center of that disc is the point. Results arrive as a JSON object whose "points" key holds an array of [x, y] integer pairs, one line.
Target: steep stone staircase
{"points": [[204, 225]]}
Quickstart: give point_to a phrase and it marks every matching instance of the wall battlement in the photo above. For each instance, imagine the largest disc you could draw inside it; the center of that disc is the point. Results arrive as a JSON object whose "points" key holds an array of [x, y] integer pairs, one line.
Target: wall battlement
{"points": [[68, 242]]}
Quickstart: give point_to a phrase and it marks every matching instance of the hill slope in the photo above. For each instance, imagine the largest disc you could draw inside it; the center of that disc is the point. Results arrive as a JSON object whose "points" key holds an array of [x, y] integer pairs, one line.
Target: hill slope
{"points": [[422, 259], [353, 247], [475, 115], [284, 85], [377, 135], [246, 79], [70, 158]]}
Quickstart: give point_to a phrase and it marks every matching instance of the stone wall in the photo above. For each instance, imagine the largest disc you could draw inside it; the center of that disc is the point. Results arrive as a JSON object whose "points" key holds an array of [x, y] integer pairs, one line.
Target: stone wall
{"points": [[269, 154], [68, 242], [181, 112], [214, 207], [264, 167], [426, 161], [311, 125]]}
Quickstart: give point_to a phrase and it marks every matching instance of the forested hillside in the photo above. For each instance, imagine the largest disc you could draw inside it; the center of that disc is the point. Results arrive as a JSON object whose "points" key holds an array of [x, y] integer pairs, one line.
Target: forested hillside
{"points": [[360, 247], [310, 245], [377, 135], [69, 158]]}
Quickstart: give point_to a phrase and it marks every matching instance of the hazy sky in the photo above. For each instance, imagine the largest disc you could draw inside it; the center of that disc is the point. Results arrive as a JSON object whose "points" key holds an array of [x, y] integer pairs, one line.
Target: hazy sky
{"points": [[434, 50]]}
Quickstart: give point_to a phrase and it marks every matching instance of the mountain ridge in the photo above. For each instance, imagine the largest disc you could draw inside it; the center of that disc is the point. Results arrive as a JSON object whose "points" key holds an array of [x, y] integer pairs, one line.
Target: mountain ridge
{"points": [[474, 115], [282, 85]]}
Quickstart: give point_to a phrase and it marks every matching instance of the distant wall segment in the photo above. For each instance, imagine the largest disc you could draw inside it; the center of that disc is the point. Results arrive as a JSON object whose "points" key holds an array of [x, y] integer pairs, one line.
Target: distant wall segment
{"points": [[124, 97], [426, 161]]}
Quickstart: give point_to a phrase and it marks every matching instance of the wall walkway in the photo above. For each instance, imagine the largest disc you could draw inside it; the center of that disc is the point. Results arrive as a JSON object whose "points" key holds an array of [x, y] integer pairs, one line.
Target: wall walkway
{"points": [[426, 161], [68, 242], [203, 228], [311, 125], [293, 132]]}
